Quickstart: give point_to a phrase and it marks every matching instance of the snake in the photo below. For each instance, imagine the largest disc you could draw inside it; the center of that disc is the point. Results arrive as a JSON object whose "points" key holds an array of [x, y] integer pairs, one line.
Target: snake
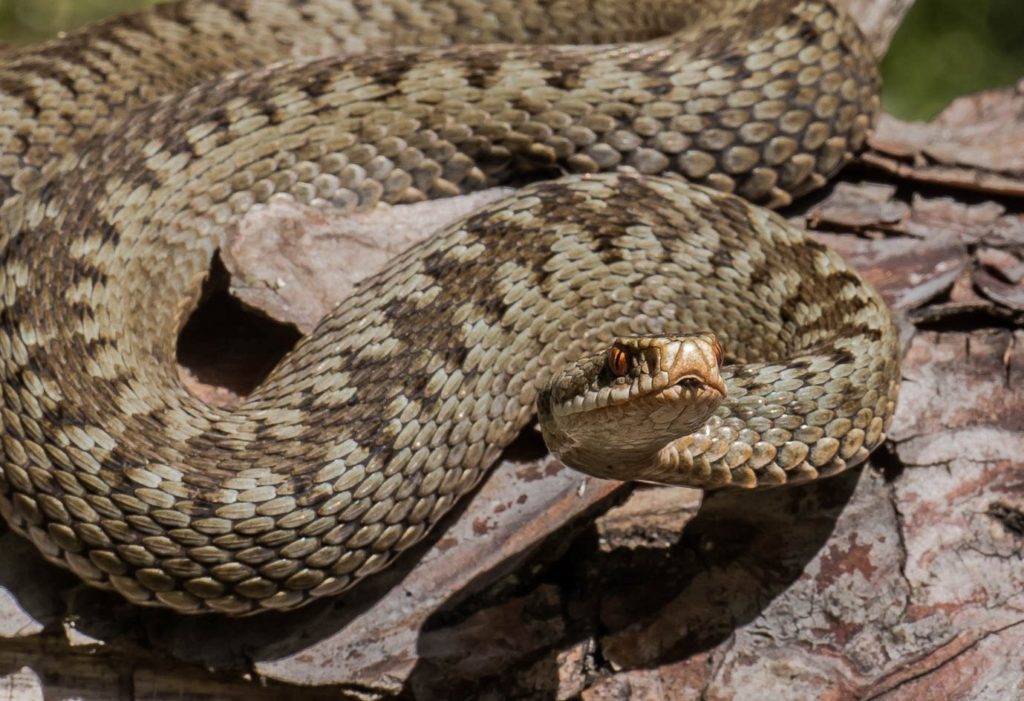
{"points": [[633, 292]]}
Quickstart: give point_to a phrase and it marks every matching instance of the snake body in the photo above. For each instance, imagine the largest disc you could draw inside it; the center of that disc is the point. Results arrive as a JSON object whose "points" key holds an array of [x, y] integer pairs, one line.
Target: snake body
{"points": [[379, 421]]}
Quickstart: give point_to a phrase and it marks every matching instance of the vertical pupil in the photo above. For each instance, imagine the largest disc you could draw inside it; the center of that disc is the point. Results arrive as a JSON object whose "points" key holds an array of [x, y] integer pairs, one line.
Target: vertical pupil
{"points": [[618, 361]]}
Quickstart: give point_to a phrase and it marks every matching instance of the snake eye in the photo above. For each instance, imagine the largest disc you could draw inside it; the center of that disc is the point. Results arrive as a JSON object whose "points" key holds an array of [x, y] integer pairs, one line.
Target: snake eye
{"points": [[618, 363], [719, 353]]}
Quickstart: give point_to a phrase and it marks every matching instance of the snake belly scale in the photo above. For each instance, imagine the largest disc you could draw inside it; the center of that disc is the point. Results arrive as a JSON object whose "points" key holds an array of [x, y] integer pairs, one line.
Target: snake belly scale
{"points": [[117, 176]]}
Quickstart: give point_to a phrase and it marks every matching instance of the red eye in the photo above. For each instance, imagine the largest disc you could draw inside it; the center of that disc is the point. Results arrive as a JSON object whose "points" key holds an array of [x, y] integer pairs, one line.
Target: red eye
{"points": [[618, 363], [719, 353]]}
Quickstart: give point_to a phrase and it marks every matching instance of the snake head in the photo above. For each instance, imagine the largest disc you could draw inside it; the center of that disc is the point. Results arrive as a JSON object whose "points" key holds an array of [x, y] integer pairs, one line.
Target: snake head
{"points": [[619, 407]]}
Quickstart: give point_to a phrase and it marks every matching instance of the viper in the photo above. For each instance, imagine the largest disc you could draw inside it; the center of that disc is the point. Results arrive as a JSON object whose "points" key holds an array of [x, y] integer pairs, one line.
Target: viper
{"points": [[665, 326]]}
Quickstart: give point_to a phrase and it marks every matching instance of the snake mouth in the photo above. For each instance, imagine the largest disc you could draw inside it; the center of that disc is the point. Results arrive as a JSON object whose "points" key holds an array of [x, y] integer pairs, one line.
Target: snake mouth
{"points": [[689, 388], [692, 384]]}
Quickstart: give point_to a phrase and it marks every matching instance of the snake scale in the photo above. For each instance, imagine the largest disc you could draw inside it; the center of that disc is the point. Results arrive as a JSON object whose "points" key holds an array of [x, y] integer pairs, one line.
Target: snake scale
{"points": [[126, 146]]}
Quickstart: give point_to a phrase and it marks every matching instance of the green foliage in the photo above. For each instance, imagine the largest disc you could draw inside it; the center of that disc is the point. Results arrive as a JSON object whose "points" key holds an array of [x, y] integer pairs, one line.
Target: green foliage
{"points": [[943, 49], [946, 48], [23, 21]]}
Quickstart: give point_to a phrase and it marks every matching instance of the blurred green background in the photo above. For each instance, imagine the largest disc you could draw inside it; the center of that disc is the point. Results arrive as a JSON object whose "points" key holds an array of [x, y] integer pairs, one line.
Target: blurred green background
{"points": [[945, 48]]}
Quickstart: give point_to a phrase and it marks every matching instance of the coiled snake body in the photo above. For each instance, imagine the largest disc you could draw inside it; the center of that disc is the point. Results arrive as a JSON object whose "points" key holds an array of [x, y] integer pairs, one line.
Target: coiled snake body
{"points": [[372, 428]]}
